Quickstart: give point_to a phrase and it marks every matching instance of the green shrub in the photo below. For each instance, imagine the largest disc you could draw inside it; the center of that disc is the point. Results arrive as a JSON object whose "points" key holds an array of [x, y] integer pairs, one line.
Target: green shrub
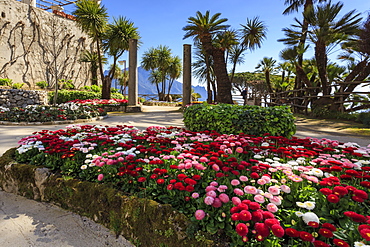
{"points": [[234, 119], [17, 85], [69, 95], [66, 84], [5, 82], [42, 84], [364, 118], [95, 88]]}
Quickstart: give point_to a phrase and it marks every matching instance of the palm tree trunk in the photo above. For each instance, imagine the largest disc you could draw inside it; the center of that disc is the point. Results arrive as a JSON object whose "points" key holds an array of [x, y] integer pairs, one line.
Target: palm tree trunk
{"points": [[223, 82], [321, 60]]}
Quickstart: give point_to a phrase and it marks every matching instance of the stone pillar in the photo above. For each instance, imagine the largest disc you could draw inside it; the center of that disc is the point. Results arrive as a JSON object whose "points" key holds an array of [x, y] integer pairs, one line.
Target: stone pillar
{"points": [[133, 80], [186, 81]]}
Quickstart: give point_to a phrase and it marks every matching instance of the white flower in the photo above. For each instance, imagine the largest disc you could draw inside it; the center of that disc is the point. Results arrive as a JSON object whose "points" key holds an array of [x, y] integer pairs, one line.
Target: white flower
{"points": [[301, 204], [299, 214], [257, 156], [316, 172], [83, 167], [361, 244], [310, 205], [309, 216]]}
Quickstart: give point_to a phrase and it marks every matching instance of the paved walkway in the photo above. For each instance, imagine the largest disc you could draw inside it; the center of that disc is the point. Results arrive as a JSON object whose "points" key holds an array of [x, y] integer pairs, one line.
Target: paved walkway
{"points": [[27, 223]]}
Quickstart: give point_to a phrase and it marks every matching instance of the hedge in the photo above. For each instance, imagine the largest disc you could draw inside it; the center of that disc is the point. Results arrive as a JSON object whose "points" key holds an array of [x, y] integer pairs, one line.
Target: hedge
{"points": [[68, 95], [235, 119]]}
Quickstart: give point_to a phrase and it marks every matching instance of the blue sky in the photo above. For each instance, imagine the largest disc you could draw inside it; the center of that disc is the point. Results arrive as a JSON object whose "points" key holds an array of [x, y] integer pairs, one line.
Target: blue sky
{"points": [[160, 22]]}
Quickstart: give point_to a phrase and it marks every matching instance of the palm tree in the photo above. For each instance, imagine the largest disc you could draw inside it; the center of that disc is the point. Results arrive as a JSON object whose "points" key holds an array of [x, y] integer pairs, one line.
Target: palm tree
{"points": [[253, 33], [115, 43], [92, 18], [267, 66], [236, 57], [93, 59], [123, 81], [326, 30], [204, 28], [174, 72]]}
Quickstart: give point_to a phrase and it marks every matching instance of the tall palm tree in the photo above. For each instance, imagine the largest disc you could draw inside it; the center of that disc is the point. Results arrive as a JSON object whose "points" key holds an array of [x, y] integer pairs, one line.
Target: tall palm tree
{"points": [[326, 30], [115, 43], [236, 57], [93, 59], [267, 66], [204, 28], [174, 72], [253, 33], [92, 18]]}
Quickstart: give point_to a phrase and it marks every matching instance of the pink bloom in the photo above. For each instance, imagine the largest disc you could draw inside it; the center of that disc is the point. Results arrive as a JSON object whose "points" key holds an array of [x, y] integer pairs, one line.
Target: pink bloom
{"points": [[100, 177], [217, 203], [199, 214], [222, 188], [209, 200], [215, 167], [268, 195], [203, 159], [272, 208], [210, 188], [250, 190], [213, 183], [224, 198], [285, 188], [188, 165], [261, 181], [259, 198], [236, 201], [239, 192], [276, 200], [195, 195], [274, 190], [266, 178], [243, 178], [211, 193], [239, 150], [235, 182]]}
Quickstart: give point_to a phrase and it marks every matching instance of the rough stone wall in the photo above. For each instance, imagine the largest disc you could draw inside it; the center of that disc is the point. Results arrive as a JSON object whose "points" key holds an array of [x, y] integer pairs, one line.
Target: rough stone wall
{"points": [[21, 98], [31, 39]]}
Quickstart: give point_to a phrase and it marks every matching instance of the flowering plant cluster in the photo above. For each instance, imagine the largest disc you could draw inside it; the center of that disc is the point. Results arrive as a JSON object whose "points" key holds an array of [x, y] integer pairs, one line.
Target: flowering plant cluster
{"points": [[259, 191], [43, 113], [102, 102]]}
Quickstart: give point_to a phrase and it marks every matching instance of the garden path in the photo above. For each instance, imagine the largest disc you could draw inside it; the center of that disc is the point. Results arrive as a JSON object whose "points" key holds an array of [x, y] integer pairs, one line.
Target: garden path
{"points": [[26, 222]]}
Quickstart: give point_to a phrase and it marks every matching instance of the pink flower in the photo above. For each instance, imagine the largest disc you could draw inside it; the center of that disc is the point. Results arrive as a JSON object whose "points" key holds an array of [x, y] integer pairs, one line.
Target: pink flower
{"points": [[224, 198], [272, 208], [236, 201], [274, 190], [199, 214], [211, 193], [250, 190], [285, 188], [243, 178], [261, 181], [222, 188], [100, 177], [266, 178], [259, 198], [210, 188], [215, 167], [209, 200], [239, 192], [235, 182], [217, 203], [203, 159], [268, 195], [213, 183], [239, 150], [195, 195], [276, 200]]}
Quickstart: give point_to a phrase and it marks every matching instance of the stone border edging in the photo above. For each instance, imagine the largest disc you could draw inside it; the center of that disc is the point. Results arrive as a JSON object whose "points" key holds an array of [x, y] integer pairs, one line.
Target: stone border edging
{"points": [[54, 122], [142, 221]]}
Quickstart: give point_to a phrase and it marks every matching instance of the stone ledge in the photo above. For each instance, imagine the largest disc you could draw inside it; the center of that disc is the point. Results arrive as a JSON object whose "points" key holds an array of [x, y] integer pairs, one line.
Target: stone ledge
{"points": [[142, 221], [54, 122]]}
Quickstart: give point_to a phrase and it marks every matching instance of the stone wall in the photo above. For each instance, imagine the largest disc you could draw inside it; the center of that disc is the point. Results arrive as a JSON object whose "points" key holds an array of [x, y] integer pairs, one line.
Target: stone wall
{"points": [[21, 98], [31, 39]]}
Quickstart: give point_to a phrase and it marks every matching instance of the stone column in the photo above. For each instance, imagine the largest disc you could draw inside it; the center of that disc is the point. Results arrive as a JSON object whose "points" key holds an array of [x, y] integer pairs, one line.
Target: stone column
{"points": [[133, 80], [132, 68], [186, 81]]}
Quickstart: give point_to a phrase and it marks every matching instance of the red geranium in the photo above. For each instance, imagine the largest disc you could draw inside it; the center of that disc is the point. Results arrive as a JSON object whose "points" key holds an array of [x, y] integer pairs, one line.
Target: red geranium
{"points": [[329, 226], [332, 198], [365, 233], [262, 229], [306, 236], [277, 230], [362, 194], [160, 181], [340, 242], [326, 191], [326, 233], [241, 229]]}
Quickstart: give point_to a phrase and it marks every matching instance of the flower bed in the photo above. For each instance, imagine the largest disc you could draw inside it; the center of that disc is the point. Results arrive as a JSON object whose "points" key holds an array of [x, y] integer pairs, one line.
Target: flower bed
{"points": [[260, 191], [43, 113]]}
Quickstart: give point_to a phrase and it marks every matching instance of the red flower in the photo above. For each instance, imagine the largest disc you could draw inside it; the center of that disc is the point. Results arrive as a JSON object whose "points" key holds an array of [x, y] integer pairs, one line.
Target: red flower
{"points": [[245, 215], [190, 181], [329, 226], [340, 190], [262, 229], [196, 177], [332, 198], [235, 216], [365, 233], [254, 205], [153, 176], [318, 243], [181, 177], [340, 242], [220, 175], [272, 221], [326, 191], [277, 230], [326, 233], [306, 236], [189, 188], [362, 194], [365, 184], [257, 216], [170, 187], [313, 224], [160, 181], [141, 179], [291, 232], [241, 229], [254, 175], [357, 199]]}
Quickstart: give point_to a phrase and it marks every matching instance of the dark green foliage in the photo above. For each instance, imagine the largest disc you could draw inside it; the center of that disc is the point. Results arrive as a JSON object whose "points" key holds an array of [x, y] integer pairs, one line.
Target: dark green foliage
{"points": [[5, 82], [68, 95], [364, 118], [234, 119]]}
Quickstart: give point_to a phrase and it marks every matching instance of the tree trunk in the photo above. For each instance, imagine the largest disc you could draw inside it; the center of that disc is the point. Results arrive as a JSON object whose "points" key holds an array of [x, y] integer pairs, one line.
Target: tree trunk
{"points": [[321, 61], [223, 82]]}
